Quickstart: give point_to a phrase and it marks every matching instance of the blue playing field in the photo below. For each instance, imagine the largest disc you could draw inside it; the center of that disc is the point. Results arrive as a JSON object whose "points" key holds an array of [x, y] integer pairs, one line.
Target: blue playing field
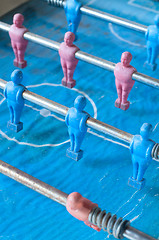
{"points": [[40, 148]]}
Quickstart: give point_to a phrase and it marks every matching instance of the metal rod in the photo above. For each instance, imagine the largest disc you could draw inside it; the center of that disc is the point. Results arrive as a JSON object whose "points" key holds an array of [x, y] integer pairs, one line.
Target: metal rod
{"points": [[44, 102], [109, 130], [42, 41], [99, 62], [56, 195], [104, 16], [33, 183], [113, 19], [60, 109], [132, 233]]}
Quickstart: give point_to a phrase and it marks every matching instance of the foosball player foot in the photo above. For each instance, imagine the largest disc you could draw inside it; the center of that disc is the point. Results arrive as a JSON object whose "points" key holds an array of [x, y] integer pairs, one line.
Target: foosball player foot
{"points": [[117, 103], [71, 84], [125, 106], [136, 184], [15, 127], [22, 64], [64, 82], [74, 155], [150, 66], [16, 64]]}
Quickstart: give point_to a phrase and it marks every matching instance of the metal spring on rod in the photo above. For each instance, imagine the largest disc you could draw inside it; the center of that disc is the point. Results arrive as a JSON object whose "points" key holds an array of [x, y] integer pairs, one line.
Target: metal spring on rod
{"points": [[155, 152], [56, 3], [108, 222]]}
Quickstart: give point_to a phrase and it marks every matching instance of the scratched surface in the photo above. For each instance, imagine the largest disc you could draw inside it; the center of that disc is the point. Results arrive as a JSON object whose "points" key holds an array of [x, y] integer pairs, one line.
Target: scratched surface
{"points": [[40, 148]]}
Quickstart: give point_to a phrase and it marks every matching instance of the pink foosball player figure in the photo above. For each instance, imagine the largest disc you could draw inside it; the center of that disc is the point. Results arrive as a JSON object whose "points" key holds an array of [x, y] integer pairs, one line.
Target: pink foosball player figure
{"points": [[68, 61], [123, 79], [19, 44], [80, 208]]}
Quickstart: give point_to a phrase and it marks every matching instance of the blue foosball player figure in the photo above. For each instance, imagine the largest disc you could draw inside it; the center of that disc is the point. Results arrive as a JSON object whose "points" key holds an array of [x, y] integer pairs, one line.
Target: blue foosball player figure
{"points": [[73, 14], [141, 149], [13, 93], [152, 42], [76, 121]]}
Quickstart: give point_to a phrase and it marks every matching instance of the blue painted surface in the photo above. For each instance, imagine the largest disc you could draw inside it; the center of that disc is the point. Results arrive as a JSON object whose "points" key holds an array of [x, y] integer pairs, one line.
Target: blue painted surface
{"points": [[40, 148]]}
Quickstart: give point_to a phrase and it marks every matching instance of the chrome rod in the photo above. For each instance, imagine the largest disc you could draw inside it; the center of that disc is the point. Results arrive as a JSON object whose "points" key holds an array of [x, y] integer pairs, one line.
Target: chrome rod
{"points": [[33, 183], [4, 26], [132, 233], [109, 130], [58, 196], [45, 103], [113, 19], [99, 62], [42, 41], [103, 16]]}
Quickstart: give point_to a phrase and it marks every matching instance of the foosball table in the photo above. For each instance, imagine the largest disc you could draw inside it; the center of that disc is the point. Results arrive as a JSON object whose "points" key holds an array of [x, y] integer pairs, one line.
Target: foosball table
{"points": [[86, 127]]}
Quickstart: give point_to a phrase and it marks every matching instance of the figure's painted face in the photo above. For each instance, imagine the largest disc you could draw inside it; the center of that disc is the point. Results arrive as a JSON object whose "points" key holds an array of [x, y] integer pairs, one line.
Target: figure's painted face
{"points": [[18, 23], [125, 60], [18, 20], [68, 40]]}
